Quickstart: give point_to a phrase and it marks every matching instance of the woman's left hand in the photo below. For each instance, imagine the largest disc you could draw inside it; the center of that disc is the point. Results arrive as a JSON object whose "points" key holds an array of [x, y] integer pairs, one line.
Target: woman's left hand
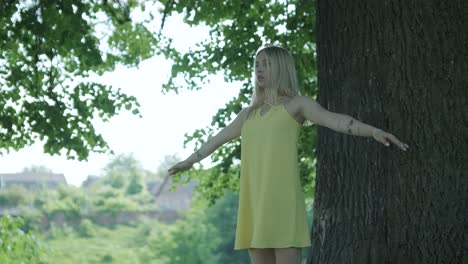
{"points": [[385, 137]]}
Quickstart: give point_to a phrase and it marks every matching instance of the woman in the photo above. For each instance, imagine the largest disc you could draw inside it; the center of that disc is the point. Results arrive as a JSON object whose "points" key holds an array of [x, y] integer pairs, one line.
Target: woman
{"points": [[271, 221]]}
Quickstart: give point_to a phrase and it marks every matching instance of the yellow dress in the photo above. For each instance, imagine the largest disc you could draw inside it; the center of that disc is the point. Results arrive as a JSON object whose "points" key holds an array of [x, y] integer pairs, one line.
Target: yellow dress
{"points": [[271, 212]]}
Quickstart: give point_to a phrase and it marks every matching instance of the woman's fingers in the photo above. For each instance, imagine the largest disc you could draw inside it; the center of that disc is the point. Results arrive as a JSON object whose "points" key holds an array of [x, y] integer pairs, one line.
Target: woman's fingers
{"points": [[170, 171], [385, 138], [395, 141], [174, 169], [181, 166]]}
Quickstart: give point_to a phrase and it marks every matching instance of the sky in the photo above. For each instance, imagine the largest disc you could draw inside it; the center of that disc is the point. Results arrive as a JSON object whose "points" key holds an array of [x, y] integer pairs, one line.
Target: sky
{"points": [[166, 117]]}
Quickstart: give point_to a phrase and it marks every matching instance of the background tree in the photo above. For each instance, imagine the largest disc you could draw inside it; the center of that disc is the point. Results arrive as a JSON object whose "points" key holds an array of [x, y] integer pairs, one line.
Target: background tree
{"points": [[122, 169], [135, 184], [400, 66], [122, 186], [48, 49]]}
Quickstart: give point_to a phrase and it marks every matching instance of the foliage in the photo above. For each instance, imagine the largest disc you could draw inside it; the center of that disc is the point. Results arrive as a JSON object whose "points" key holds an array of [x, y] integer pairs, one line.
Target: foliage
{"points": [[144, 228], [223, 216], [135, 185], [189, 240], [116, 244], [70, 204], [66, 201], [41, 196], [209, 181], [124, 171], [14, 195], [116, 180], [56, 231], [115, 204], [122, 186], [86, 228], [237, 30], [125, 163], [17, 246], [48, 49], [31, 218], [203, 235]]}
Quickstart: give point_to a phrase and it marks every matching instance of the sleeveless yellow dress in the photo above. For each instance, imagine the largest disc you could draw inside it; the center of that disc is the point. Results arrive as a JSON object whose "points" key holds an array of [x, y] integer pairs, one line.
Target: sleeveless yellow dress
{"points": [[271, 212]]}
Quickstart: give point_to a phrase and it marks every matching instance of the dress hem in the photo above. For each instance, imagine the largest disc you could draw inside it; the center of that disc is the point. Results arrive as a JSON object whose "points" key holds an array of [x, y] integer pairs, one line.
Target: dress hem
{"points": [[272, 246]]}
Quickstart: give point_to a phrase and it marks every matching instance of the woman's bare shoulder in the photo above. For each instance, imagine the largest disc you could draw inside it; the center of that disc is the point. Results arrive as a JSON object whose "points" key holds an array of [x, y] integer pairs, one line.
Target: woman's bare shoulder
{"points": [[293, 103], [242, 115], [300, 100]]}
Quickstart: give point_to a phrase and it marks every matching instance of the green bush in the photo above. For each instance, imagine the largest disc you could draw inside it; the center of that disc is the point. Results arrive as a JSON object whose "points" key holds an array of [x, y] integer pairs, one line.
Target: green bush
{"points": [[66, 201], [116, 180], [117, 205], [190, 240], [17, 246], [59, 231], [32, 218], [14, 195], [135, 185], [107, 258], [68, 214], [40, 199], [86, 228], [143, 232]]}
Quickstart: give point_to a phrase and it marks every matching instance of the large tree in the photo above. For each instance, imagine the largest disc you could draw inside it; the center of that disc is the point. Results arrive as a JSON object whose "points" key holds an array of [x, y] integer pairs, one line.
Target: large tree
{"points": [[47, 51], [402, 67], [398, 65]]}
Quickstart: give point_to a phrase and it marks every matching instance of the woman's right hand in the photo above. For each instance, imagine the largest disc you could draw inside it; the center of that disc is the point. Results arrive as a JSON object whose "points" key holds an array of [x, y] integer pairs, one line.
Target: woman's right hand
{"points": [[181, 166]]}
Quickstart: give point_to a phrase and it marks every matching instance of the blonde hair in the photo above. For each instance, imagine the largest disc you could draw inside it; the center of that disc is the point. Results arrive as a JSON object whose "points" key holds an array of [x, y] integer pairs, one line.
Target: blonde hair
{"points": [[283, 78]]}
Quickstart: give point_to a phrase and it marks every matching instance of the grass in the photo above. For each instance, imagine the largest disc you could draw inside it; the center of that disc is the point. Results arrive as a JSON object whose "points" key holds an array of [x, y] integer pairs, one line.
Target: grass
{"points": [[121, 244]]}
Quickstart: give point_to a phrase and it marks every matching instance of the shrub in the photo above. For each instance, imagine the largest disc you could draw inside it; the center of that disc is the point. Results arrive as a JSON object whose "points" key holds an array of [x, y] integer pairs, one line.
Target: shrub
{"points": [[14, 195], [17, 246], [86, 228]]}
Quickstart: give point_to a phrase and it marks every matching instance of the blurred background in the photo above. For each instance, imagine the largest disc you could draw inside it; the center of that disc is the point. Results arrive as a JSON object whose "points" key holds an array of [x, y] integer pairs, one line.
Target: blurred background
{"points": [[100, 98]]}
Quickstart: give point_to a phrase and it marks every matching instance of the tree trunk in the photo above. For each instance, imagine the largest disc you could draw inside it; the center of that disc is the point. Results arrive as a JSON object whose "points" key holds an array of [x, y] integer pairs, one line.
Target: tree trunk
{"points": [[400, 66]]}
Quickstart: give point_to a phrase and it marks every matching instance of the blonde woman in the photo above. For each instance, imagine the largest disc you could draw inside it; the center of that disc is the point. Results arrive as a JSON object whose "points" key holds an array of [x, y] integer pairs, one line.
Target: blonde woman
{"points": [[271, 220]]}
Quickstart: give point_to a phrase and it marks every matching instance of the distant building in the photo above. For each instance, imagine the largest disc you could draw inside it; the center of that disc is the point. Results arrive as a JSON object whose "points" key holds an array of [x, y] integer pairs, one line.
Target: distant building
{"points": [[178, 200], [90, 181], [32, 180]]}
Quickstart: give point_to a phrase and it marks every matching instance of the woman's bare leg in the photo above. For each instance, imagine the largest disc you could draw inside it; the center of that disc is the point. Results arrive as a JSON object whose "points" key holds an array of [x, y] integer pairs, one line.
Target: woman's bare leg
{"points": [[290, 255], [262, 255]]}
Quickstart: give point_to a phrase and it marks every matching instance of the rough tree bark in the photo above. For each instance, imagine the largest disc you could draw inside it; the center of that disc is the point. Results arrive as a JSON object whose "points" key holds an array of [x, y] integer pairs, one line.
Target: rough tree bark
{"points": [[400, 66]]}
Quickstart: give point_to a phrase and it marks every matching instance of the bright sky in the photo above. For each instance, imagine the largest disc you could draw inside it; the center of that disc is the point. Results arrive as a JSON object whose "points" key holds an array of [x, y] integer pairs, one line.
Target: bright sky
{"points": [[166, 118]]}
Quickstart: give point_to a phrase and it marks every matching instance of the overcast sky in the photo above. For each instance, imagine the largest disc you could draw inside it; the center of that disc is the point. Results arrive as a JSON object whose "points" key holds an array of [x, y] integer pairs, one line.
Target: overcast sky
{"points": [[166, 118]]}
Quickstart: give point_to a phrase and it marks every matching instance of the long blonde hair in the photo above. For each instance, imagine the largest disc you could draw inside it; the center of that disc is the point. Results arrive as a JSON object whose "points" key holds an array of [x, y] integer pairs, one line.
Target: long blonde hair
{"points": [[283, 78]]}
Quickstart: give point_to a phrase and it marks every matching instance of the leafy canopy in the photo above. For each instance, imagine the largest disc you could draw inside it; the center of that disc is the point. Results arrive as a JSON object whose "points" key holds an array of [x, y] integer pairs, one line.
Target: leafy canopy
{"points": [[47, 50]]}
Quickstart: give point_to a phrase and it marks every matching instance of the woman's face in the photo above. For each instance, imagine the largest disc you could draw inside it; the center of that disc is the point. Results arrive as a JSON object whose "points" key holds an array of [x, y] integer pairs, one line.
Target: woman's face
{"points": [[261, 70]]}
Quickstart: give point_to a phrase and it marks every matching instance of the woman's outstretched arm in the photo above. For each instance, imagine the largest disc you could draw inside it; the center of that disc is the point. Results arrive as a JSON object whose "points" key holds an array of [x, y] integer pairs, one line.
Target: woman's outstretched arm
{"points": [[227, 134], [314, 112]]}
